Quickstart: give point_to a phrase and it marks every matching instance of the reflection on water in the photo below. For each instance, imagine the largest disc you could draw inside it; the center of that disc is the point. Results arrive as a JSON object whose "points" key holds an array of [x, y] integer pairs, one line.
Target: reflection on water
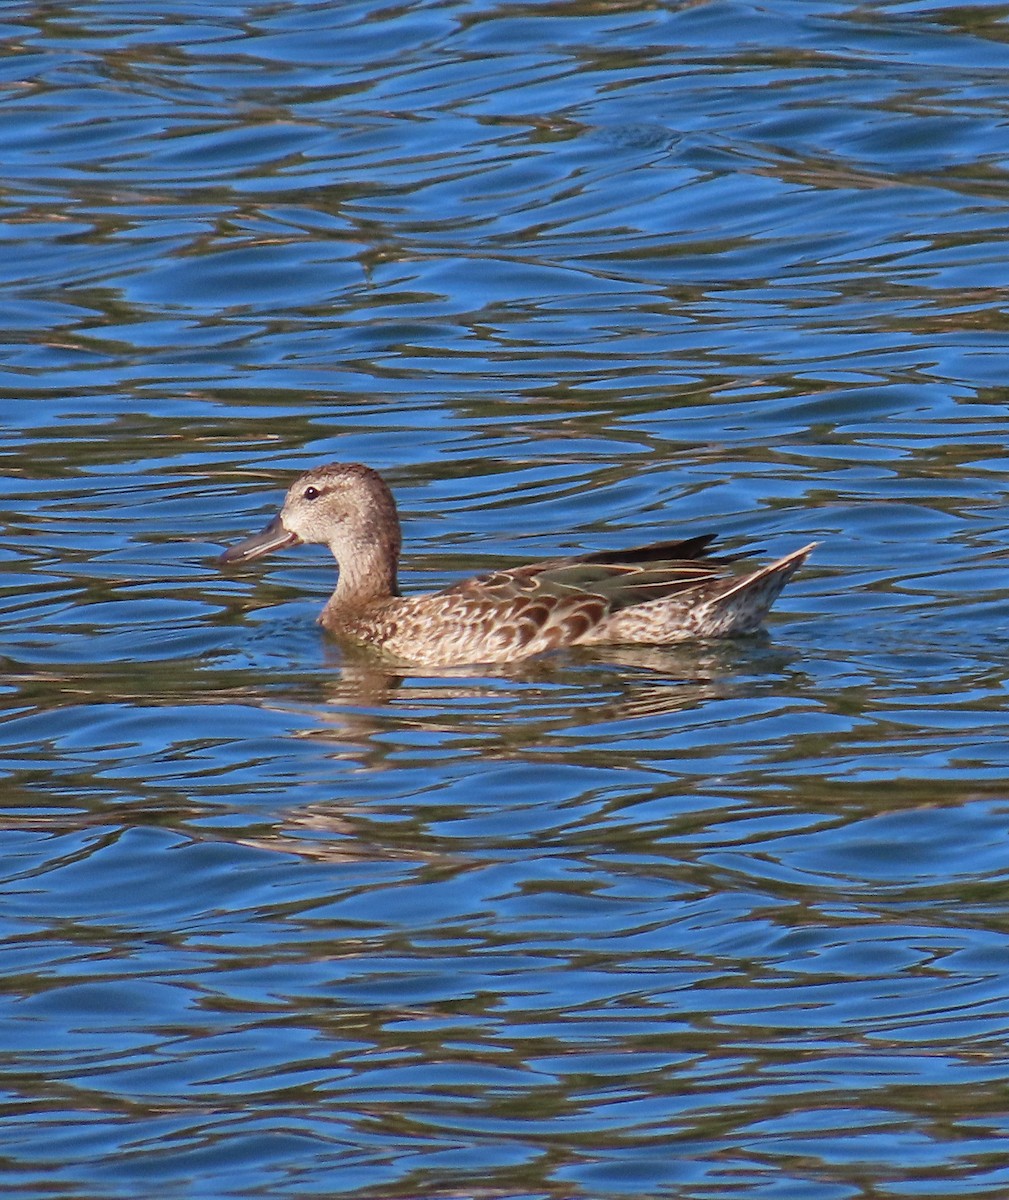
{"points": [[712, 920]]}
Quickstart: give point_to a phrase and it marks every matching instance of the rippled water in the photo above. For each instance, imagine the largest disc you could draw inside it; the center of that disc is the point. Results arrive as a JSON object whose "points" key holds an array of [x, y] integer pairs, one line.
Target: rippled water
{"points": [[724, 920]]}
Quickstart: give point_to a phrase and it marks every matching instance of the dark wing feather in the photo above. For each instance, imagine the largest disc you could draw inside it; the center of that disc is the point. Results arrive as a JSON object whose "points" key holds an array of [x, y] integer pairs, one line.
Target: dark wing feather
{"points": [[694, 547], [546, 593], [673, 553]]}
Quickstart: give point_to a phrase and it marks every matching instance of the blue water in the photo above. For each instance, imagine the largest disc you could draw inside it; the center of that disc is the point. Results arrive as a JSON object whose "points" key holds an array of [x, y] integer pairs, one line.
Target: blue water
{"points": [[722, 920]]}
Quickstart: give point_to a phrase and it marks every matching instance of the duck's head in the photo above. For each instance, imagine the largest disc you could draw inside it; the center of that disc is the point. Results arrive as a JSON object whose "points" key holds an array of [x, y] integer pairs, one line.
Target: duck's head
{"points": [[345, 506]]}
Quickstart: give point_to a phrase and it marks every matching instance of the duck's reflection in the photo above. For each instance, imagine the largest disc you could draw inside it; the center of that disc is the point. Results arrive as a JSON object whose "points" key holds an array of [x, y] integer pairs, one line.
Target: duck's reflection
{"points": [[376, 732], [509, 709]]}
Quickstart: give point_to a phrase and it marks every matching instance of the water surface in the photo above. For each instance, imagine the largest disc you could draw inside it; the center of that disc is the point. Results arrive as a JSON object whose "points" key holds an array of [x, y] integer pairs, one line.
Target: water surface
{"points": [[722, 920]]}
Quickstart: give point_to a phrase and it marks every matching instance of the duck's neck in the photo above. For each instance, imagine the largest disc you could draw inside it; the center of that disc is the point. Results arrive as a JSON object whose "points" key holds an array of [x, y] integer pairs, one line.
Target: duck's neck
{"points": [[368, 560]]}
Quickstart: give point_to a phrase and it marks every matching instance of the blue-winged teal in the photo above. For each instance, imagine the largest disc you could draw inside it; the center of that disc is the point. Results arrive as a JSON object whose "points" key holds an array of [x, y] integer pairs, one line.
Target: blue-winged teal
{"points": [[656, 595]]}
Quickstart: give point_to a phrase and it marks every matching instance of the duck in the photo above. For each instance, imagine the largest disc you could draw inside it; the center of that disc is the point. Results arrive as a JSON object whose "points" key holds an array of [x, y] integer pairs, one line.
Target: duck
{"points": [[657, 594]]}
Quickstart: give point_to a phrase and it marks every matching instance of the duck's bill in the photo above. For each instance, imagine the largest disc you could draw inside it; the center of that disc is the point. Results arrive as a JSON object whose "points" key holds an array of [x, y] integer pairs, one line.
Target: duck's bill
{"points": [[273, 537]]}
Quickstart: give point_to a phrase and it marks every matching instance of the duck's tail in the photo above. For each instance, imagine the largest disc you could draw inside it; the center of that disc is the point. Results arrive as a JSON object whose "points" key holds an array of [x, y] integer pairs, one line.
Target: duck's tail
{"points": [[740, 605]]}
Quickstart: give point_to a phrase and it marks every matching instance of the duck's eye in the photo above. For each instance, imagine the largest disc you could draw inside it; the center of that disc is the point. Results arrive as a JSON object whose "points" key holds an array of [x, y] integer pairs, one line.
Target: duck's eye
{"points": [[310, 493]]}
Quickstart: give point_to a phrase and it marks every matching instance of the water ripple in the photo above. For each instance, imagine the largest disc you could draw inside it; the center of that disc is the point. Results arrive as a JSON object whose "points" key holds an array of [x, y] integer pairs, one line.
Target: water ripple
{"points": [[700, 920]]}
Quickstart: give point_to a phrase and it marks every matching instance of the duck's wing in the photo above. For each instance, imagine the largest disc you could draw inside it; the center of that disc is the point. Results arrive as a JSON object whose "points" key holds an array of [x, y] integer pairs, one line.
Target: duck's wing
{"points": [[619, 577], [688, 549], [557, 602]]}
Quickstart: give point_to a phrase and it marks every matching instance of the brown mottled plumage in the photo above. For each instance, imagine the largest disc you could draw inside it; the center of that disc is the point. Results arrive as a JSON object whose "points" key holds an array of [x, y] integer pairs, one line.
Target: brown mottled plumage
{"points": [[660, 594]]}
